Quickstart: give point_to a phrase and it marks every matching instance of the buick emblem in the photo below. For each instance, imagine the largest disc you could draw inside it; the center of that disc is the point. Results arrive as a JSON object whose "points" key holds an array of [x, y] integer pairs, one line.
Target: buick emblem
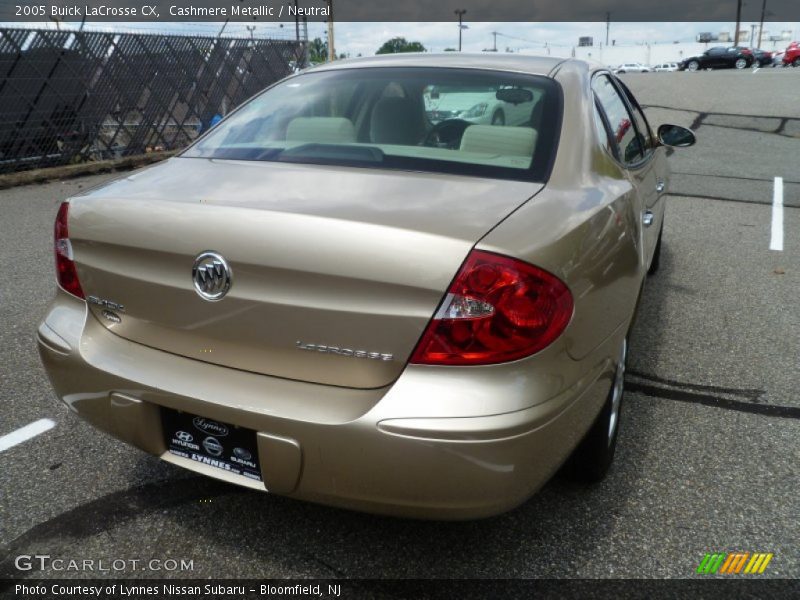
{"points": [[212, 276], [212, 446]]}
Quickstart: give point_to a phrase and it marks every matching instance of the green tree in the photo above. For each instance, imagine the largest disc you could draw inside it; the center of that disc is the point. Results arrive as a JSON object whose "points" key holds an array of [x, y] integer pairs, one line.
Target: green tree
{"points": [[318, 51], [400, 44]]}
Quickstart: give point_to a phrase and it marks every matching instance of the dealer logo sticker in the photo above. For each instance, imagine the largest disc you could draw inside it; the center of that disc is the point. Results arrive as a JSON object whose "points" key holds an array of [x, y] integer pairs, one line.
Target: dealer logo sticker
{"points": [[210, 427], [184, 436], [242, 454], [212, 446]]}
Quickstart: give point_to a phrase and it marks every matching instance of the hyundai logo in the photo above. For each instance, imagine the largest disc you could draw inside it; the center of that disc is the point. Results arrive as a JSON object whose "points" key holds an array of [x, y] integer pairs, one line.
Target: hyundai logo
{"points": [[184, 436], [212, 446], [210, 427], [212, 276]]}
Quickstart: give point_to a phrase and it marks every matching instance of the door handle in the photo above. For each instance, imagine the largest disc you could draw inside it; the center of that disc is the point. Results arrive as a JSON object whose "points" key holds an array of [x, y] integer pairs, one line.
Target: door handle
{"points": [[647, 218], [660, 185]]}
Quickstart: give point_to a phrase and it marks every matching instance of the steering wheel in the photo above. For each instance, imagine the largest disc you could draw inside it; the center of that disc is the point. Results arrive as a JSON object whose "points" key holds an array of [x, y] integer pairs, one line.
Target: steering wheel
{"points": [[447, 134]]}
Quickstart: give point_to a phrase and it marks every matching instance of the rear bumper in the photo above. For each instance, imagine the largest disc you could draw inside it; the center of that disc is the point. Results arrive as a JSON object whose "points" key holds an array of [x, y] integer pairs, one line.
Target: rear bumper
{"points": [[372, 450]]}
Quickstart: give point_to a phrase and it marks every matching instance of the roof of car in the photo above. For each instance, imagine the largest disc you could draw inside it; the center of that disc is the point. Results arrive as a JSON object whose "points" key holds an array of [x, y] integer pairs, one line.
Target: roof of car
{"points": [[538, 65]]}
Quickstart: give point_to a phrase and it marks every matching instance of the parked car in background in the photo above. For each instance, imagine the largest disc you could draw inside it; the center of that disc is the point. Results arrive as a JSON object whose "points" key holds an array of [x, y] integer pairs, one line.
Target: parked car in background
{"points": [[777, 59], [632, 68], [762, 58], [666, 67], [719, 57], [488, 106], [792, 55], [344, 302]]}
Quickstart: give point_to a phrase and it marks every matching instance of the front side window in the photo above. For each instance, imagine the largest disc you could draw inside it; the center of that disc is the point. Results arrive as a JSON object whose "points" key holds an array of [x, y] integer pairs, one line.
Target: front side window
{"points": [[484, 123], [642, 126], [623, 132]]}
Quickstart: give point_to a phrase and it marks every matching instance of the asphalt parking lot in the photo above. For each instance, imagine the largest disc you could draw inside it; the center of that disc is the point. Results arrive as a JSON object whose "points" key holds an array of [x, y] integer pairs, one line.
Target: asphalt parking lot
{"points": [[709, 453]]}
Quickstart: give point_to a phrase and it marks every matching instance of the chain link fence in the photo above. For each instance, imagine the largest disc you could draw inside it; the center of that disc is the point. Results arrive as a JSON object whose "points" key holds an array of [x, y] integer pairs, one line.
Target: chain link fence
{"points": [[68, 97]]}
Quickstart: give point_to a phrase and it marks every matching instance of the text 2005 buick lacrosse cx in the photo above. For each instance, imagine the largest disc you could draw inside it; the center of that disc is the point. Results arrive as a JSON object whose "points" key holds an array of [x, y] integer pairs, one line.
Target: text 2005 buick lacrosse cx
{"points": [[344, 294]]}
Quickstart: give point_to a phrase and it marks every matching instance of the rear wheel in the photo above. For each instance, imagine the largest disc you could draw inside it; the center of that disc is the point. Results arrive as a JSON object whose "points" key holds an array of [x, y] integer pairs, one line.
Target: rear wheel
{"points": [[796, 62], [693, 65], [592, 458], [740, 63]]}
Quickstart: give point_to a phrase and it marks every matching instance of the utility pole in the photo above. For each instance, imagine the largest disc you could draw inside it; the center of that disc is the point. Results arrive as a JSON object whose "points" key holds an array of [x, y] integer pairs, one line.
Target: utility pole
{"points": [[761, 25], [306, 49], [738, 21], [752, 34], [251, 29], [608, 25], [460, 12], [296, 23], [494, 45], [331, 48]]}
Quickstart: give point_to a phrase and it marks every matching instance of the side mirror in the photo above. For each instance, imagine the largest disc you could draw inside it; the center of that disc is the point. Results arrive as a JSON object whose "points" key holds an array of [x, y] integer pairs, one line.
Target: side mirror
{"points": [[676, 136]]}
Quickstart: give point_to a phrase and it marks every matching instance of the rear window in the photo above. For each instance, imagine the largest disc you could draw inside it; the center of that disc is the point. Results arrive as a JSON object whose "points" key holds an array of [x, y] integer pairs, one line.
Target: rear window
{"points": [[462, 121]]}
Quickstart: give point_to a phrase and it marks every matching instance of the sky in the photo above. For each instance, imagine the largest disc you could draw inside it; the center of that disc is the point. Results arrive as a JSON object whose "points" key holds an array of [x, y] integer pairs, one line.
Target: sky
{"points": [[365, 38]]}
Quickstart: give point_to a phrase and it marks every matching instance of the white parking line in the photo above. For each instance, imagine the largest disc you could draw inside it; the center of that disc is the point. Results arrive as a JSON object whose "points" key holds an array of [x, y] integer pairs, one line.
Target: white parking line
{"points": [[25, 433], [776, 239]]}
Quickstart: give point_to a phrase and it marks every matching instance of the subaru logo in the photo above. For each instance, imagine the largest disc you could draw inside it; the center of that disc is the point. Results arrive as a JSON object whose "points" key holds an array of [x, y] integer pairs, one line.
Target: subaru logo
{"points": [[242, 454], [184, 436], [212, 276], [212, 446], [210, 427]]}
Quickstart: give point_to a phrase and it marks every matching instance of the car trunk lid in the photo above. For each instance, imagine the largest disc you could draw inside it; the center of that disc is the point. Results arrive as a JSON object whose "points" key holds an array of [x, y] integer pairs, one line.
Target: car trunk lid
{"points": [[335, 271]]}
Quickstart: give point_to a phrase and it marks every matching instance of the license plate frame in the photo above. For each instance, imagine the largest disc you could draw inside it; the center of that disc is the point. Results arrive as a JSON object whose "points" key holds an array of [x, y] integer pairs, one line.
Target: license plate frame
{"points": [[213, 443]]}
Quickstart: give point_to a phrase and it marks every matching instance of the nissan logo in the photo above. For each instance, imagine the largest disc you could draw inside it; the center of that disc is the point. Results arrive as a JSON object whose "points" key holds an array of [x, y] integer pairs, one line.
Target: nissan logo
{"points": [[210, 427], [212, 276], [212, 446]]}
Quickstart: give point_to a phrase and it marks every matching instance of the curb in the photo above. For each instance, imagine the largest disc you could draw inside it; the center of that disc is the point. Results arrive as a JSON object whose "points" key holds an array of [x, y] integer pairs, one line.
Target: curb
{"points": [[69, 171]]}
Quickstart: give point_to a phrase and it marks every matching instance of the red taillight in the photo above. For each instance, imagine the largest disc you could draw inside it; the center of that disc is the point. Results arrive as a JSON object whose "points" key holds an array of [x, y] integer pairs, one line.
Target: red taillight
{"points": [[66, 275], [497, 309]]}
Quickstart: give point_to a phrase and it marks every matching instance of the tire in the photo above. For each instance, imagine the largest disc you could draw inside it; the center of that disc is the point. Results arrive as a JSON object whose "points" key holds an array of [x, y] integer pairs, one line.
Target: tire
{"points": [[621, 72], [591, 460], [656, 262], [692, 66], [741, 63], [796, 62], [498, 118]]}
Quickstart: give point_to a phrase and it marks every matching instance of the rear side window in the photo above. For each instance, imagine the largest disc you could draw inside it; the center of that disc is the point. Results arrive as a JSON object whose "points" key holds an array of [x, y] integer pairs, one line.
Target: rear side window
{"points": [[623, 132], [470, 122]]}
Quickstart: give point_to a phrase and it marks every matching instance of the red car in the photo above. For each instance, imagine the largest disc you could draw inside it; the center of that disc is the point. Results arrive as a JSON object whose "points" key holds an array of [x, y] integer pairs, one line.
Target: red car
{"points": [[792, 55]]}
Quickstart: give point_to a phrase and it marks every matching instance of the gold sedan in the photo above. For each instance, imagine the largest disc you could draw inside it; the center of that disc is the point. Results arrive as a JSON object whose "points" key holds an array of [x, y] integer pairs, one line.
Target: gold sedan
{"points": [[347, 294]]}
